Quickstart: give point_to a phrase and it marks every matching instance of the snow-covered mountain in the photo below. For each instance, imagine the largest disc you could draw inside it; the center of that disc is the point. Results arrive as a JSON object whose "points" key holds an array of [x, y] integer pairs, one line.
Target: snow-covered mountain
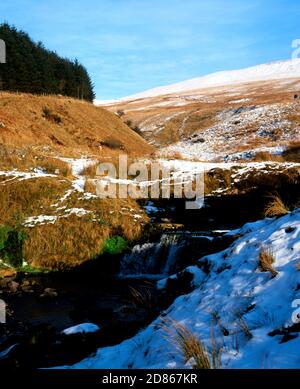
{"points": [[211, 117], [270, 71]]}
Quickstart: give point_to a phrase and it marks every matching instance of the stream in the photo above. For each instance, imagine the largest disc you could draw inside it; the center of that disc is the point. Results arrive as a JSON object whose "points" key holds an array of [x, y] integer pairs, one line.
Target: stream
{"points": [[121, 301]]}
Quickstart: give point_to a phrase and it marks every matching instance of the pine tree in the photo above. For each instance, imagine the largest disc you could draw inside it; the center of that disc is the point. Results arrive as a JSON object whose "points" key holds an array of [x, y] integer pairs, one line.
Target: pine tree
{"points": [[31, 68]]}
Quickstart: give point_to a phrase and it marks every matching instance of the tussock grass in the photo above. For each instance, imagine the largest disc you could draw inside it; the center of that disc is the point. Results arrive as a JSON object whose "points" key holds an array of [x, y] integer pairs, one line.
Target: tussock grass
{"points": [[20, 159], [244, 327], [276, 207], [72, 240], [266, 260], [30, 197], [143, 297], [90, 171], [217, 179], [55, 166], [90, 186], [51, 116], [176, 155], [191, 347], [292, 152], [28, 158], [65, 244], [264, 156]]}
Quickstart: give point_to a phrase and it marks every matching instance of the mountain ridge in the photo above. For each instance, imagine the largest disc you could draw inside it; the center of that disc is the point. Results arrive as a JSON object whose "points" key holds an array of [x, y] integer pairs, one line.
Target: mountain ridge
{"points": [[264, 72]]}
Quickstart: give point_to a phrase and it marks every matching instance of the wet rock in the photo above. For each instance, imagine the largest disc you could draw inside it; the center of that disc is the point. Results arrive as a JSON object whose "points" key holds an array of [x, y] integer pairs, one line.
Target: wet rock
{"points": [[13, 286], [4, 283], [49, 293], [287, 337], [289, 230], [27, 287]]}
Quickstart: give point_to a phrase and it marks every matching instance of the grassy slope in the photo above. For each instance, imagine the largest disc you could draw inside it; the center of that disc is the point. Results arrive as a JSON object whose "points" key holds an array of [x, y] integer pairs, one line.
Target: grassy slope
{"points": [[170, 118], [72, 125], [34, 131]]}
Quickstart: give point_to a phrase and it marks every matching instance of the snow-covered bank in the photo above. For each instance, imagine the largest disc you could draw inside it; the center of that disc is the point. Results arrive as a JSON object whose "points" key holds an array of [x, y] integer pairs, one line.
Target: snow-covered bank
{"points": [[233, 294]]}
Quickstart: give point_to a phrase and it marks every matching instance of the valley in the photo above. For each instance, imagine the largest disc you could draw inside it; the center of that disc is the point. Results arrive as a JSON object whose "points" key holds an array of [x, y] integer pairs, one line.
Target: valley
{"points": [[101, 283]]}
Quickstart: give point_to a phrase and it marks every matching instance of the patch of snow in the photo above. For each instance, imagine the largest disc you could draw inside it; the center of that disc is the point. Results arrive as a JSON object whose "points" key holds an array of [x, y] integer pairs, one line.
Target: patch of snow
{"points": [[78, 164], [240, 101], [76, 211], [88, 196], [16, 174], [83, 328], [32, 221]]}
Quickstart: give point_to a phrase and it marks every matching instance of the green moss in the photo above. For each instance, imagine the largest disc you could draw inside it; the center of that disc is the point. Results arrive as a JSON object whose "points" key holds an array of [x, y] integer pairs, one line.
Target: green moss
{"points": [[11, 245], [33, 270], [115, 245]]}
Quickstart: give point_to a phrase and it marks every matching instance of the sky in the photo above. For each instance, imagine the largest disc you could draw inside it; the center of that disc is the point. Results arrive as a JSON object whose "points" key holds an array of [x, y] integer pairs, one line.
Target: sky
{"points": [[132, 45]]}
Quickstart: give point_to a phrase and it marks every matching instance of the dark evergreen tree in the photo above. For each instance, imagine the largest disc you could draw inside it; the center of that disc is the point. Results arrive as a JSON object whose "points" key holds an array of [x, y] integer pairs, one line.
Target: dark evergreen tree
{"points": [[31, 68]]}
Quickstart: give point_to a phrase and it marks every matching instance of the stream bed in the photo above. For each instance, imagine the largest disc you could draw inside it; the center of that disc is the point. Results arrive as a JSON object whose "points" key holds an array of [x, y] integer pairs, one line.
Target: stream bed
{"points": [[40, 307]]}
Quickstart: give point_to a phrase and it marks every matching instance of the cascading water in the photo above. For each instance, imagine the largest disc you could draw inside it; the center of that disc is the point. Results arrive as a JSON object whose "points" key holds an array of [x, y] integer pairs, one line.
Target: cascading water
{"points": [[153, 259]]}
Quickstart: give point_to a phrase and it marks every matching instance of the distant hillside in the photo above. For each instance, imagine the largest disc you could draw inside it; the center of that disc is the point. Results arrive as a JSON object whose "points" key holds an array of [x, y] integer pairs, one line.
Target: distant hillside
{"points": [[226, 115], [277, 70], [66, 125], [32, 68]]}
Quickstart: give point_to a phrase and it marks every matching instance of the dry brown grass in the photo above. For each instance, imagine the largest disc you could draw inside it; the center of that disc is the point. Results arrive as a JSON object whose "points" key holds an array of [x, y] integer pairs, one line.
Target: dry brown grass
{"points": [[21, 159], [82, 127], [118, 214], [244, 327], [90, 171], [55, 166], [264, 156], [90, 186], [176, 155], [28, 158], [191, 347], [276, 207], [30, 197], [266, 260], [67, 243], [217, 179], [201, 114], [292, 152], [143, 297], [73, 240]]}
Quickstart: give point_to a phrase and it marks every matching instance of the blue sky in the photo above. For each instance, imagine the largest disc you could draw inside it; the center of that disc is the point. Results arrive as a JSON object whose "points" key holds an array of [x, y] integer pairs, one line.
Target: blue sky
{"points": [[132, 45]]}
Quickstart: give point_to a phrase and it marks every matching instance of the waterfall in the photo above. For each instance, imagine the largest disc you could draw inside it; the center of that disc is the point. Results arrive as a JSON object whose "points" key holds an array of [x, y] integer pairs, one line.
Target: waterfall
{"points": [[153, 259]]}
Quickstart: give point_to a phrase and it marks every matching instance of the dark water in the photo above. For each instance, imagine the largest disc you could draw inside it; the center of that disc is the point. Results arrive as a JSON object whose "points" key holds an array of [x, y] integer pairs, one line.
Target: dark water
{"points": [[120, 307]]}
